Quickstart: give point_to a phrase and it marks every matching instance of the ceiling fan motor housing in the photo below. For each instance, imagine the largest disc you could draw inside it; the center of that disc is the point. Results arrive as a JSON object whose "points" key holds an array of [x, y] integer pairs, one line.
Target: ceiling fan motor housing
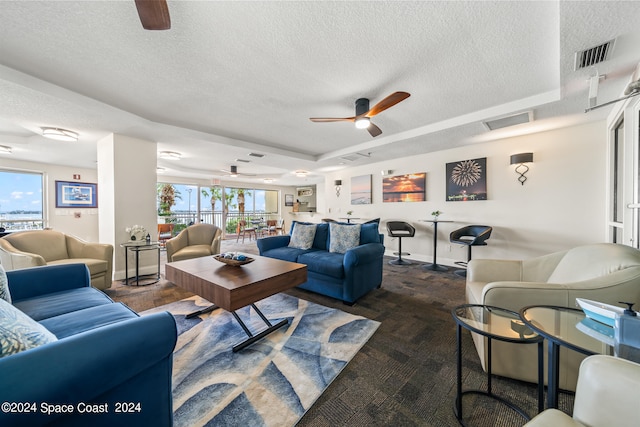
{"points": [[362, 106]]}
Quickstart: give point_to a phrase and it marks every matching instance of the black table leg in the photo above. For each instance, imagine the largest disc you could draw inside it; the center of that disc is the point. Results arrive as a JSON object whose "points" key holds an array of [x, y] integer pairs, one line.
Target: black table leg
{"points": [[554, 375], [540, 377], [253, 338], [434, 266]]}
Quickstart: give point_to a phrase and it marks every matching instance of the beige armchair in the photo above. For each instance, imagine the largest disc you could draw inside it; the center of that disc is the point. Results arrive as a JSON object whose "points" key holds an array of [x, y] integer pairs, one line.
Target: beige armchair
{"points": [[602, 272], [606, 395], [48, 247], [194, 241]]}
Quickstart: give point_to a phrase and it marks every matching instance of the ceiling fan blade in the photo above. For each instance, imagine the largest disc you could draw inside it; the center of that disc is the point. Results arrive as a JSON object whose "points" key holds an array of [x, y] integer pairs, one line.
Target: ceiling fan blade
{"points": [[332, 119], [154, 14], [374, 130], [388, 102]]}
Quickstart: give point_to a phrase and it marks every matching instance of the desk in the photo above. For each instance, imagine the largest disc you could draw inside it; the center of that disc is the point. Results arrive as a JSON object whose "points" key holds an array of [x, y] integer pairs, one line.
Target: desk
{"points": [[500, 324], [138, 247], [559, 326], [434, 266]]}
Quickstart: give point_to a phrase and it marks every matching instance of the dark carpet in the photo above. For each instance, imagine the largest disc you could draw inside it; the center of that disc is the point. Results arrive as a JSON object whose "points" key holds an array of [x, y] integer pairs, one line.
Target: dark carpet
{"points": [[406, 373]]}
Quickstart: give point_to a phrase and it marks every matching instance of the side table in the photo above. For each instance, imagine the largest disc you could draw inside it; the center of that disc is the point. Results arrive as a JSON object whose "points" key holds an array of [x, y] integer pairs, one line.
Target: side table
{"points": [[138, 247], [500, 324], [434, 266]]}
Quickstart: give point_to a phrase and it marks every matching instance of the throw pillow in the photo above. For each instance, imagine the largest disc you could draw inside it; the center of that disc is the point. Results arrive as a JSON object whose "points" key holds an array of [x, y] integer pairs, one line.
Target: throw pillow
{"points": [[19, 332], [343, 237], [302, 236], [4, 285], [369, 233]]}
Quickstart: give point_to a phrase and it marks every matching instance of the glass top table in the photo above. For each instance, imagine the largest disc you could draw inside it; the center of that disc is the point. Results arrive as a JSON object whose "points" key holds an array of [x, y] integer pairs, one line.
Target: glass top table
{"points": [[562, 327], [500, 324]]}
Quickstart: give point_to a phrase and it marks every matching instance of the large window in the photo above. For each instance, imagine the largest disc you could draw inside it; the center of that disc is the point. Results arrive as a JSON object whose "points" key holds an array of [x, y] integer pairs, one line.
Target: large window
{"points": [[21, 200]]}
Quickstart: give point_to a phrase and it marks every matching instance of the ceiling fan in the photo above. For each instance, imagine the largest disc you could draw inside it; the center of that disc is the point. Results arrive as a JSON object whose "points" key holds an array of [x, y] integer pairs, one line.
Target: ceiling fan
{"points": [[233, 172], [154, 14], [364, 113]]}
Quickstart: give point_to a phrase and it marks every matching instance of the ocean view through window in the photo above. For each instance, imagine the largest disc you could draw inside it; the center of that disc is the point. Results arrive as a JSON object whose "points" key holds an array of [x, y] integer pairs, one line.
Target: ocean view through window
{"points": [[21, 200]]}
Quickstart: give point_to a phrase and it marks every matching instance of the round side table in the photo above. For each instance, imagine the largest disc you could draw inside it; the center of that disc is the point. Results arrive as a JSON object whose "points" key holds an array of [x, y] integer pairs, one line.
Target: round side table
{"points": [[499, 324]]}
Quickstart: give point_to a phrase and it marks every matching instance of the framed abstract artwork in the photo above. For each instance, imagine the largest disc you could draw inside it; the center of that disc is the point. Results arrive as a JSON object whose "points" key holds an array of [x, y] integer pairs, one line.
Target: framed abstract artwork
{"points": [[405, 188], [467, 180], [361, 190], [76, 195]]}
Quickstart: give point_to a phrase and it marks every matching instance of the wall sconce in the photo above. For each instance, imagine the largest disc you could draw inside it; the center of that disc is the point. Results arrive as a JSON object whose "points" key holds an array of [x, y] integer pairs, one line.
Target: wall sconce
{"points": [[338, 184], [521, 169]]}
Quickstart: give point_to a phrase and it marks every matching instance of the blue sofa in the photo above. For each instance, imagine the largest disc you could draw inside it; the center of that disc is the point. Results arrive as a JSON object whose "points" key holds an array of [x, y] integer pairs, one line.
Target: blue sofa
{"points": [[346, 276], [108, 366]]}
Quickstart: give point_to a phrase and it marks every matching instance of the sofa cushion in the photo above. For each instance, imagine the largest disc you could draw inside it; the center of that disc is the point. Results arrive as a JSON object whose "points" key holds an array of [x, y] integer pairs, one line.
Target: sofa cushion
{"points": [[79, 321], [591, 261], [4, 285], [57, 303], [343, 237], [96, 266], [189, 252], [286, 253], [323, 262], [18, 332], [369, 233], [303, 236]]}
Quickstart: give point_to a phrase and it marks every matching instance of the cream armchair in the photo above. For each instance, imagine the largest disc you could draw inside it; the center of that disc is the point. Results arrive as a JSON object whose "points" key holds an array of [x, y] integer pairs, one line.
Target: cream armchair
{"points": [[606, 395], [194, 241], [48, 247], [602, 272]]}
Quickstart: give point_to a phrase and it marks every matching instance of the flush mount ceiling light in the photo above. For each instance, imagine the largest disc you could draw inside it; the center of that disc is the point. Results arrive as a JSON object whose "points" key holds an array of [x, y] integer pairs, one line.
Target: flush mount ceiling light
{"points": [[301, 173], [5, 149], [268, 180], [160, 170], [60, 134], [169, 155]]}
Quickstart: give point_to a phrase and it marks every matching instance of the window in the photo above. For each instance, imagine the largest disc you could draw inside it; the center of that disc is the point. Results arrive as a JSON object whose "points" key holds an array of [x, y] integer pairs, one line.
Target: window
{"points": [[21, 198]]}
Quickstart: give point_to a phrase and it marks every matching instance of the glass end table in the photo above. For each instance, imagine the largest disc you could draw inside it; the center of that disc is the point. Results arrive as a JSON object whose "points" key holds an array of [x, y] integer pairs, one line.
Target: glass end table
{"points": [[499, 324]]}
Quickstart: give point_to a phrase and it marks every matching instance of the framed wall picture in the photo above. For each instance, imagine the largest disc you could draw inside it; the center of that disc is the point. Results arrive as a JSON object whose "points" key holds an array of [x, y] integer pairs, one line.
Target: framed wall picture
{"points": [[76, 195], [405, 188], [288, 199], [361, 190], [467, 180]]}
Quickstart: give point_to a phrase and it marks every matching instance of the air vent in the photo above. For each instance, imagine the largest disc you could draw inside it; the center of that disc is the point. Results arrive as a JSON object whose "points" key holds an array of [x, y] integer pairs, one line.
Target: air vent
{"points": [[256, 155], [594, 55], [503, 122], [243, 161], [350, 158]]}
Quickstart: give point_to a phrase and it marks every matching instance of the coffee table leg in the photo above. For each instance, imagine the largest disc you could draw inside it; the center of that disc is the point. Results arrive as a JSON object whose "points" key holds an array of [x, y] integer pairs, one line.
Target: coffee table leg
{"points": [[253, 338], [202, 311]]}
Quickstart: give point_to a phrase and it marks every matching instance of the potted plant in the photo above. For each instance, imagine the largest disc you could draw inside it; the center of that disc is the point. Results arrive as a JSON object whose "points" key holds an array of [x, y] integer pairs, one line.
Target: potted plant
{"points": [[436, 214]]}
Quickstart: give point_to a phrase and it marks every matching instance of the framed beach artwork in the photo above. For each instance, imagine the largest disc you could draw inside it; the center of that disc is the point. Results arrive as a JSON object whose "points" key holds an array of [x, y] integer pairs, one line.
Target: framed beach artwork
{"points": [[467, 180], [361, 190], [76, 195], [405, 188], [288, 199]]}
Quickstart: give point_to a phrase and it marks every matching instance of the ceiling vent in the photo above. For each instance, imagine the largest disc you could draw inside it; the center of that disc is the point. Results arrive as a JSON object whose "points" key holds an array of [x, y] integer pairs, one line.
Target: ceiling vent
{"points": [[515, 119], [594, 55], [243, 161], [256, 155], [350, 158]]}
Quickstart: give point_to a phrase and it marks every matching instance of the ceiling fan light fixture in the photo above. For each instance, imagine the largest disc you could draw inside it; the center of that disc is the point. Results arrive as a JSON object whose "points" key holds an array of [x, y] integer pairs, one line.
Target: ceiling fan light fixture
{"points": [[363, 122], [170, 155], [60, 134], [5, 149]]}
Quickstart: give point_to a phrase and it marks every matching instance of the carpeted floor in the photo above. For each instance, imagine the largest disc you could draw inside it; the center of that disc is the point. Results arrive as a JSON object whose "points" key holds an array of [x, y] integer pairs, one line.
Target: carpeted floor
{"points": [[405, 375]]}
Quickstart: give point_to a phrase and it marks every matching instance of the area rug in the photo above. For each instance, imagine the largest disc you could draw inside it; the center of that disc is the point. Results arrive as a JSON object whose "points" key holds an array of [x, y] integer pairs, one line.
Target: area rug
{"points": [[274, 381]]}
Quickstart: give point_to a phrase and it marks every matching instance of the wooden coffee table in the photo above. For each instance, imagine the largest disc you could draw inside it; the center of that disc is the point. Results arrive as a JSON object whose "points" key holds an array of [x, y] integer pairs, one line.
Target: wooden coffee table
{"points": [[232, 288]]}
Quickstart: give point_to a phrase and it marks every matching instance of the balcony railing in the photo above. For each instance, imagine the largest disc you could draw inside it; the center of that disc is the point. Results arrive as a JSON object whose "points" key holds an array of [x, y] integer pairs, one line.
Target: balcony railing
{"points": [[228, 224]]}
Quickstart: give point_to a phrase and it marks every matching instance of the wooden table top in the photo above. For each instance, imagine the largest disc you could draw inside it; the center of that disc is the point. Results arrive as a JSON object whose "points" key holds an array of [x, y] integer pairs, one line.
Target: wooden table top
{"points": [[232, 287]]}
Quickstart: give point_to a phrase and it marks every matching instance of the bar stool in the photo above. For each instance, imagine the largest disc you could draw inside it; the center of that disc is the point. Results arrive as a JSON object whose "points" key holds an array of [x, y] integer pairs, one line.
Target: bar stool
{"points": [[400, 229], [471, 235]]}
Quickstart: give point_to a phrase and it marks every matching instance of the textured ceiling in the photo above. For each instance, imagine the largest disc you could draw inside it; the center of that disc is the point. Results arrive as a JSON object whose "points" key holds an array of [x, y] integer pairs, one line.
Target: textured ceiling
{"points": [[235, 77]]}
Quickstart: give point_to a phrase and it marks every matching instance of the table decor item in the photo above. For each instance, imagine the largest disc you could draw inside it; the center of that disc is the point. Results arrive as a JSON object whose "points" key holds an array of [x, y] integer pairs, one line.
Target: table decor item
{"points": [[137, 233], [601, 312], [233, 260]]}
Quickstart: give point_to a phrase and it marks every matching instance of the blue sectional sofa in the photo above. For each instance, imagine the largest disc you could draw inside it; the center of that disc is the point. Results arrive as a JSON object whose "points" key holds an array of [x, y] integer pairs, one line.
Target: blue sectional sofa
{"points": [[346, 276], [104, 365]]}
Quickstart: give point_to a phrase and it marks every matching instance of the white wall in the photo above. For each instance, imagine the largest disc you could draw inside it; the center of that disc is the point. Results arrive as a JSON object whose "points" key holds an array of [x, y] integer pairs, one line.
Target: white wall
{"points": [[63, 219], [561, 205]]}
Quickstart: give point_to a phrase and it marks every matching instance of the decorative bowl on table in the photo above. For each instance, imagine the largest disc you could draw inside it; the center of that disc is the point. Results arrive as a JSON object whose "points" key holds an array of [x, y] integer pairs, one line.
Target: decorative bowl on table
{"points": [[235, 261], [601, 312]]}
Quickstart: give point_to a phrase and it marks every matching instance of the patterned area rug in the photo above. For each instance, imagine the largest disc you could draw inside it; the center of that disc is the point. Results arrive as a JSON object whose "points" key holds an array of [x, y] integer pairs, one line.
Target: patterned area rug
{"points": [[272, 382]]}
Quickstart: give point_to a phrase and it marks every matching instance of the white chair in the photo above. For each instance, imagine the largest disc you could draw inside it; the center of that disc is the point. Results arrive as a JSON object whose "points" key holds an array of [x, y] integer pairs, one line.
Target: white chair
{"points": [[606, 395]]}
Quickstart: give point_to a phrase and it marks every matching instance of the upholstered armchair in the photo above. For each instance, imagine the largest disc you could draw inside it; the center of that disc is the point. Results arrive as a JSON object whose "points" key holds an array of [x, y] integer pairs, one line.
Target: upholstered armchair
{"points": [[48, 247], [606, 395], [194, 241], [604, 272]]}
